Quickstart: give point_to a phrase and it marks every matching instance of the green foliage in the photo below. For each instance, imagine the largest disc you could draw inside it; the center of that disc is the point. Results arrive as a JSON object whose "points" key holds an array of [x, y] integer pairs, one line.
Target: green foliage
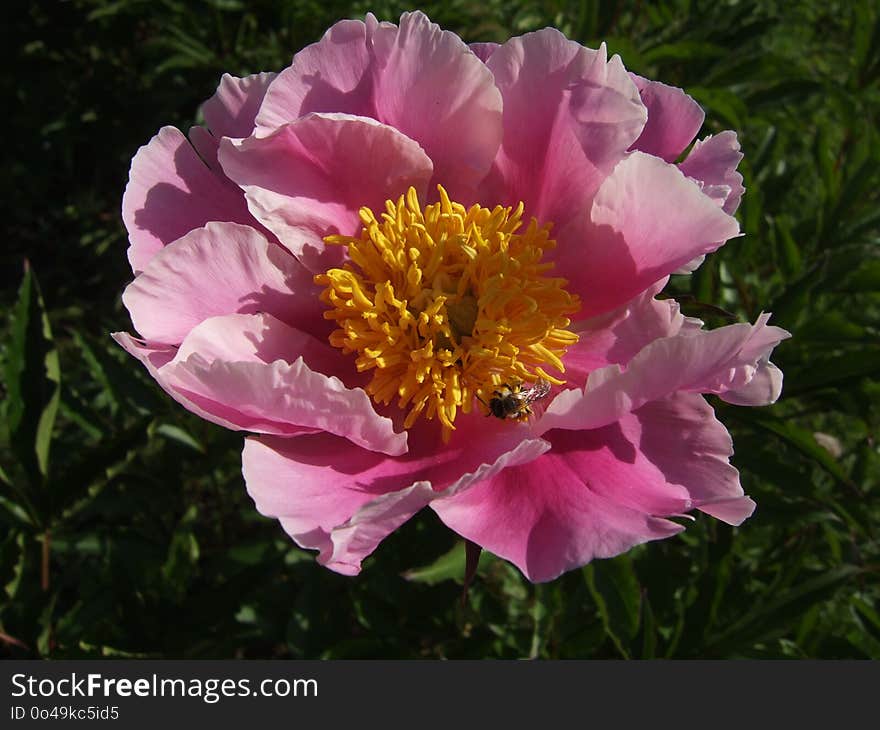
{"points": [[125, 528]]}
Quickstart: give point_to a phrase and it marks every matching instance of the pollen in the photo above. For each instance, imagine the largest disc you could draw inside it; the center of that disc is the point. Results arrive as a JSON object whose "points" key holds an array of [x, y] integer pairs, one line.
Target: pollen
{"points": [[443, 304]]}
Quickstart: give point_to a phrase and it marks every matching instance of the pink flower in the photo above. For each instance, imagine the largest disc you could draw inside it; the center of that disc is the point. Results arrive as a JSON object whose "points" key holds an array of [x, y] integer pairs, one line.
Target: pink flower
{"points": [[355, 262]]}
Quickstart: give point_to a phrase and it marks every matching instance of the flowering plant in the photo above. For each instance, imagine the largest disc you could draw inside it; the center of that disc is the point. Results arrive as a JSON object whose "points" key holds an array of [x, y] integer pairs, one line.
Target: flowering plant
{"points": [[424, 274]]}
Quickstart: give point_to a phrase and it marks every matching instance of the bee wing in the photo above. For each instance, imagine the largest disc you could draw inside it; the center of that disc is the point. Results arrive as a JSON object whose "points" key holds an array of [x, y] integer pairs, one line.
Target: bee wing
{"points": [[539, 390]]}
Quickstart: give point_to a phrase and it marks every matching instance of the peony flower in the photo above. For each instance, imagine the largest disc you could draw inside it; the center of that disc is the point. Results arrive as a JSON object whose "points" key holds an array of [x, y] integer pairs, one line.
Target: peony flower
{"points": [[424, 274]]}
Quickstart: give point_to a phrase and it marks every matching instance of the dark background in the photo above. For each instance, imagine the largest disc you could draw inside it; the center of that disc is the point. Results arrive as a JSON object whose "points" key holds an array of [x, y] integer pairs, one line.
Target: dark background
{"points": [[125, 529]]}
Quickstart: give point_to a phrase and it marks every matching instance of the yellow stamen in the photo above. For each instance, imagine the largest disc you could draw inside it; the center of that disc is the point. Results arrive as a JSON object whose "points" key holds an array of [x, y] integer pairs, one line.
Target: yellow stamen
{"points": [[446, 303]]}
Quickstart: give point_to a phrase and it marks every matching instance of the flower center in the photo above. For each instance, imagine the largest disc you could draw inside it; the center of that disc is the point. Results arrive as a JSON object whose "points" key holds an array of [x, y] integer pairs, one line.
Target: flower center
{"points": [[447, 305]]}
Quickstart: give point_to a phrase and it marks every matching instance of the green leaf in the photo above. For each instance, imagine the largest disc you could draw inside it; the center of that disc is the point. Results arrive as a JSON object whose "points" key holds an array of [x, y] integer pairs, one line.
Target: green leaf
{"points": [[449, 566], [833, 372], [779, 614], [790, 254], [724, 104], [15, 512], [183, 555], [177, 434], [615, 589], [684, 51], [649, 631], [866, 278], [833, 327], [799, 438], [33, 382], [98, 464]]}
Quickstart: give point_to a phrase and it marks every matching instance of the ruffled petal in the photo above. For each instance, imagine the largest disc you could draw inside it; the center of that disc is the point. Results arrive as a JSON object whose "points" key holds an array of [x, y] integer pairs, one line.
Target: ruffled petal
{"points": [[415, 77], [361, 534], [170, 192], [618, 336], [343, 501], [691, 447], [309, 178], [593, 495], [674, 119], [597, 493], [646, 221], [317, 483], [764, 387], [433, 89], [569, 117], [231, 111], [223, 268], [718, 361], [155, 355], [263, 376], [261, 338], [713, 162], [331, 75]]}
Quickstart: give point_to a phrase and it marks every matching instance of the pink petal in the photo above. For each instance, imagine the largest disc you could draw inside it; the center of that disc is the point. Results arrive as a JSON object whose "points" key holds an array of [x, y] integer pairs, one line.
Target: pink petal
{"points": [[233, 108], [331, 75], [647, 220], [691, 266], [222, 268], [343, 501], [592, 496], [753, 380], [618, 336], [598, 493], [434, 90], [759, 382], [415, 77], [716, 361], [230, 112], [317, 483], [263, 376], [153, 357], [261, 338], [713, 162], [484, 50], [205, 145], [674, 119], [170, 192], [309, 178], [764, 387], [359, 536], [683, 438], [569, 117]]}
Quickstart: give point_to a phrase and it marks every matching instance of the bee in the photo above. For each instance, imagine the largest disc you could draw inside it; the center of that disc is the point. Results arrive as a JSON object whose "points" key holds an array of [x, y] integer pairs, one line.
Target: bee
{"points": [[513, 402]]}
